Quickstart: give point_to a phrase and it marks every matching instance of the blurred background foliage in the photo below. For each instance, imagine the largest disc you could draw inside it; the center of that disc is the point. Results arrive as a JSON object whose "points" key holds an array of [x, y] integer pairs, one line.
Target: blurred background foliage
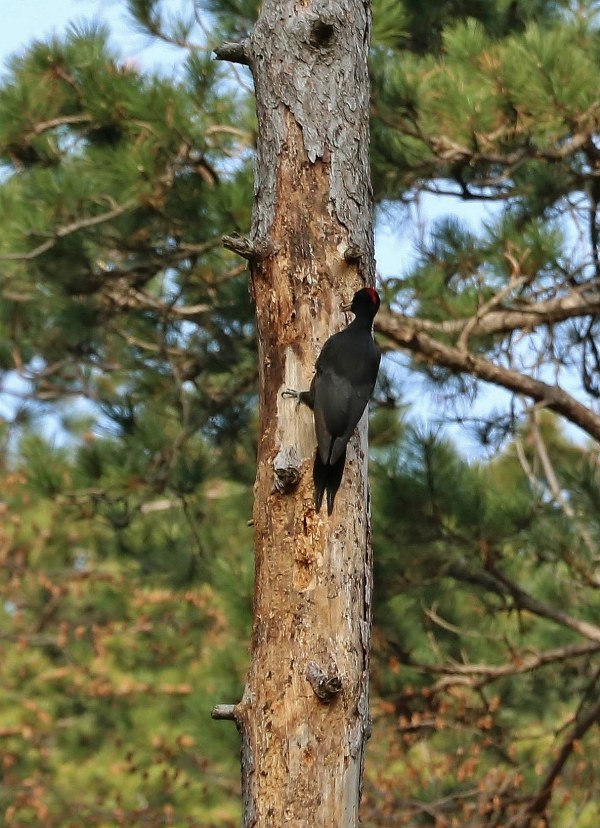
{"points": [[128, 437]]}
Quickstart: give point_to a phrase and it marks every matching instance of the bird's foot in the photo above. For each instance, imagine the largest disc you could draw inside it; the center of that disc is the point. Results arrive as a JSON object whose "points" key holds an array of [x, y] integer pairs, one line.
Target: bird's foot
{"points": [[300, 396]]}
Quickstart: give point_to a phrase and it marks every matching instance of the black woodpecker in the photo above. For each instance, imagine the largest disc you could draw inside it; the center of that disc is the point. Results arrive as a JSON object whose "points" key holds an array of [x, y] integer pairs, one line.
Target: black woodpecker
{"points": [[345, 375]]}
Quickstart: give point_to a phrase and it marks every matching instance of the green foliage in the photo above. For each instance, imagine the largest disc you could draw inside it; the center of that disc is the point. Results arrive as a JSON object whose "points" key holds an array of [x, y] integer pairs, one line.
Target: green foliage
{"points": [[452, 636], [485, 571], [110, 669], [114, 278], [125, 537], [389, 23], [462, 114], [126, 572]]}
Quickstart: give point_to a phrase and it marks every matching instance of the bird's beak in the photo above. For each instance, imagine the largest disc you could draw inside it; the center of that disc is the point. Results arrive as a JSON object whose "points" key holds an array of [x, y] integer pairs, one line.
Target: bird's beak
{"points": [[347, 307]]}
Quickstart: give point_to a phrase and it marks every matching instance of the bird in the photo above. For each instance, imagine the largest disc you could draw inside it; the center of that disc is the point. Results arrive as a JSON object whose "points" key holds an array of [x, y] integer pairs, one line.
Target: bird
{"points": [[345, 375]]}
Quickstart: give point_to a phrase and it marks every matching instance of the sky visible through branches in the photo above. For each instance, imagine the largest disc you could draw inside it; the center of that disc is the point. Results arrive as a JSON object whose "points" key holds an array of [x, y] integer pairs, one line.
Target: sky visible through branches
{"points": [[399, 230]]}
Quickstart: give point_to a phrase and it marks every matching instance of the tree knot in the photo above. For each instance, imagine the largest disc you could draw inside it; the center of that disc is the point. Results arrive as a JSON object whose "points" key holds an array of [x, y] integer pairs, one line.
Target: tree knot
{"points": [[245, 247], [325, 686], [353, 253], [286, 468]]}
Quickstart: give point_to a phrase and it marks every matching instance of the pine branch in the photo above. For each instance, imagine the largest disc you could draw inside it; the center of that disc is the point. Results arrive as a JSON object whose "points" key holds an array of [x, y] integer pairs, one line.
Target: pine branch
{"points": [[68, 229], [129, 297], [405, 336], [478, 675], [516, 281], [554, 485], [168, 351], [63, 120], [526, 601], [538, 803], [577, 303], [450, 153]]}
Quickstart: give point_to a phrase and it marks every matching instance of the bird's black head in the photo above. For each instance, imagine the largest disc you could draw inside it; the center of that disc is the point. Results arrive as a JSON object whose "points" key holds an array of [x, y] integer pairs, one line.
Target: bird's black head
{"points": [[365, 303]]}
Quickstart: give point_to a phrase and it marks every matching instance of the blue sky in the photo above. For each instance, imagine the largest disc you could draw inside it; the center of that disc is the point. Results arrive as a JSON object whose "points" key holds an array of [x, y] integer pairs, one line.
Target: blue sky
{"points": [[29, 20], [38, 19]]}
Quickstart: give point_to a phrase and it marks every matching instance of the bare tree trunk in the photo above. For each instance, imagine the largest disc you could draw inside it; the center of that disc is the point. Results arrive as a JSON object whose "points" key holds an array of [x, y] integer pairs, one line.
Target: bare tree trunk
{"points": [[304, 714]]}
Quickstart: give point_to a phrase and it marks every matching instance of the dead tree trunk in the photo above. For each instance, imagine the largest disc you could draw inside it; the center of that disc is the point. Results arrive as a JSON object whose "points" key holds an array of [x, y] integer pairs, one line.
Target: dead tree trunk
{"points": [[304, 714]]}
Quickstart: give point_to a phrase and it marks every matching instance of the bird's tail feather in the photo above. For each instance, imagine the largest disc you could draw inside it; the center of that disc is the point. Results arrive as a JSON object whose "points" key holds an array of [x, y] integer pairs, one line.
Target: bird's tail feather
{"points": [[327, 479]]}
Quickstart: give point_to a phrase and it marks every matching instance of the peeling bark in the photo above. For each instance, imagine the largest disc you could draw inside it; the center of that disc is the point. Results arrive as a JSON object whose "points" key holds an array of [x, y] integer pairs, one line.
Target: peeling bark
{"points": [[322, 83], [304, 714]]}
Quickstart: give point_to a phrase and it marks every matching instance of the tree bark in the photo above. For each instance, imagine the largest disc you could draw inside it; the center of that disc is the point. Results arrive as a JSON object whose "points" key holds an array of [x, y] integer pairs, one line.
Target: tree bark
{"points": [[304, 714]]}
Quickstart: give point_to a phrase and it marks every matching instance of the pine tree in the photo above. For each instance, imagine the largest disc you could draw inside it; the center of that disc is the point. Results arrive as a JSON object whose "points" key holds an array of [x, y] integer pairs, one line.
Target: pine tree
{"points": [[126, 332], [117, 189], [116, 289], [303, 716], [506, 118], [497, 106], [487, 636]]}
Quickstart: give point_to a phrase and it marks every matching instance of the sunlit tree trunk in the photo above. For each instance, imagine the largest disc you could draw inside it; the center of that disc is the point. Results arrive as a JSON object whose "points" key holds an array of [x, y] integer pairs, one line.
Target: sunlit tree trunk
{"points": [[304, 713]]}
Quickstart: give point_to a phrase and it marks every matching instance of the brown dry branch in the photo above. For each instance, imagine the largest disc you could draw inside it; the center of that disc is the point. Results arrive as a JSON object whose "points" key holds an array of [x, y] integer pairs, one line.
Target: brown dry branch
{"points": [[525, 601], [529, 814], [403, 333], [580, 302], [479, 675]]}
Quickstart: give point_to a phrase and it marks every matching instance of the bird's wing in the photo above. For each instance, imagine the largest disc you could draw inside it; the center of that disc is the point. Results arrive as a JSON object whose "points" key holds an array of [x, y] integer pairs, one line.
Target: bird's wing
{"points": [[338, 408], [356, 408], [322, 396], [341, 391]]}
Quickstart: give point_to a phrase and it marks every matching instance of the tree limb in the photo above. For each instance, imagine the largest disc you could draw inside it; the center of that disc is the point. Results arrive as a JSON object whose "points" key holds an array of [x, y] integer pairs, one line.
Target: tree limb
{"points": [[554, 485], [233, 52], [405, 336], [538, 803], [68, 229], [495, 321], [524, 600], [477, 675]]}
